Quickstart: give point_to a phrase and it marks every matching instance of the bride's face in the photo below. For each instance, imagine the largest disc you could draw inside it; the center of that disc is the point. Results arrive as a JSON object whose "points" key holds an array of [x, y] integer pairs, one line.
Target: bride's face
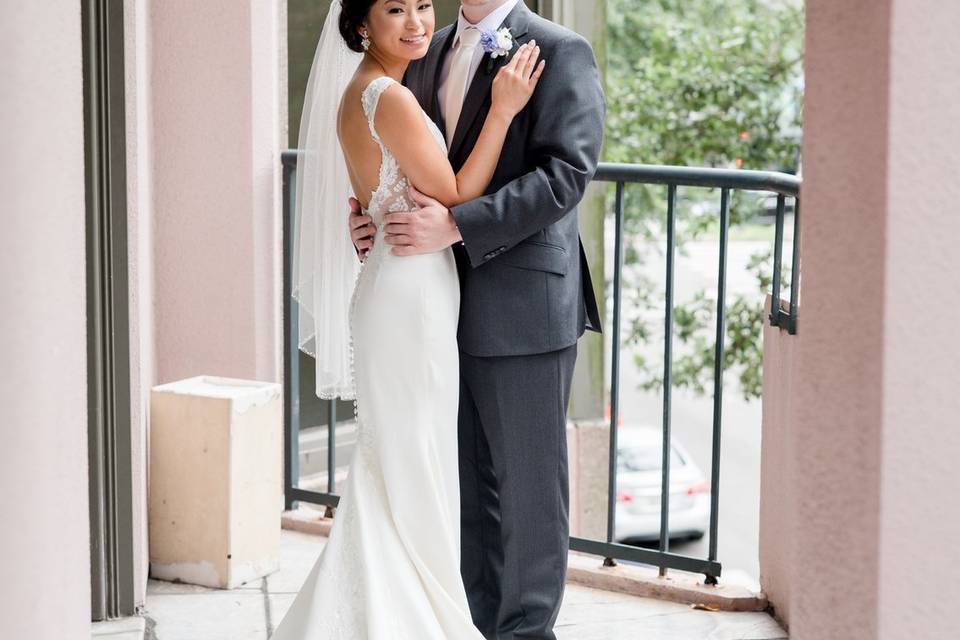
{"points": [[401, 28]]}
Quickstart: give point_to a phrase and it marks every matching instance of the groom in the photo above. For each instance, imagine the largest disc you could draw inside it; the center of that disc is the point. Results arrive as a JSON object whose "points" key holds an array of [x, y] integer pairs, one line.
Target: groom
{"points": [[526, 297]]}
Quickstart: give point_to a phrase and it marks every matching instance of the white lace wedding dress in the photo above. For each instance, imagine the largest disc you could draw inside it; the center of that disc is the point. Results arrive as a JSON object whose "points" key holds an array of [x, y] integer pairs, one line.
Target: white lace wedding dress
{"points": [[391, 566]]}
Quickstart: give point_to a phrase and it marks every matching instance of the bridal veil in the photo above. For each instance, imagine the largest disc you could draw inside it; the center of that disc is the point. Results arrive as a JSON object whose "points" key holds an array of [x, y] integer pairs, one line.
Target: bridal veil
{"points": [[325, 263]]}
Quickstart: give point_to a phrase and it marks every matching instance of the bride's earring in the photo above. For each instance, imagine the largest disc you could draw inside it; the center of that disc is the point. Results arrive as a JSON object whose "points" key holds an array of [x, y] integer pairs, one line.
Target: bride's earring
{"points": [[365, 43]]}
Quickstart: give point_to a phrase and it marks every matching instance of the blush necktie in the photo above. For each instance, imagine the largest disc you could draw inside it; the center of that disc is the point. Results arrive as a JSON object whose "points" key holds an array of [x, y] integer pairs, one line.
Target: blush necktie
{"points": [[459, 78]]}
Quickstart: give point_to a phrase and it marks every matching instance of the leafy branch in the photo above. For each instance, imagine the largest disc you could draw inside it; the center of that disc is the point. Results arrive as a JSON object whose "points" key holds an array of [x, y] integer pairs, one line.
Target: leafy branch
{"points": [[715, 83]]}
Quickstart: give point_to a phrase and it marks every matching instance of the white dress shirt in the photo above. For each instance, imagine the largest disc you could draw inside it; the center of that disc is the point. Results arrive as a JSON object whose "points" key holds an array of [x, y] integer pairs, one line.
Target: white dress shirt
{"points": [[491, 23]]}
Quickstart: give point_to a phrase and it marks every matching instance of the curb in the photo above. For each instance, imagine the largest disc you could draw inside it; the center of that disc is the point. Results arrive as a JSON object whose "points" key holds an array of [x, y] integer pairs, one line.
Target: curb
{"points": [[588, 571], [677, 586], [306, 522]]}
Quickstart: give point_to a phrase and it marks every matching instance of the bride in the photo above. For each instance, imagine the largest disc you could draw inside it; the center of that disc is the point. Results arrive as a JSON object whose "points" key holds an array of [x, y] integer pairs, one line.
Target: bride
{"points": [[384, 330]]}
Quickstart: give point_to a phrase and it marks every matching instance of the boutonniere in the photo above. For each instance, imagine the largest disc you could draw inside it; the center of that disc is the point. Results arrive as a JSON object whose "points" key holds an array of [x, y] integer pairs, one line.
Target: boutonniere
{"points": [[496, 43]]}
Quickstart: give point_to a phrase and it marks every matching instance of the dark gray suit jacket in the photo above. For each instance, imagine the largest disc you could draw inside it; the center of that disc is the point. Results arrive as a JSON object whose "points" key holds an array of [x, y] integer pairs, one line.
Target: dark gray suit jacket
{"points": [[525, 284]]}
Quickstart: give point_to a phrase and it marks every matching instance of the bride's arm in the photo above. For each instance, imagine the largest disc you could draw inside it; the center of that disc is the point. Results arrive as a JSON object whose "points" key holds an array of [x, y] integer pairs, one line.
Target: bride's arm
{"points": [[400, 123]]}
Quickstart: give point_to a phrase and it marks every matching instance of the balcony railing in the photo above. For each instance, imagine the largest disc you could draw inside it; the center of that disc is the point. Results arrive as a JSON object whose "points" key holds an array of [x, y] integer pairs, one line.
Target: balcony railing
{"points": [[785, 187]]}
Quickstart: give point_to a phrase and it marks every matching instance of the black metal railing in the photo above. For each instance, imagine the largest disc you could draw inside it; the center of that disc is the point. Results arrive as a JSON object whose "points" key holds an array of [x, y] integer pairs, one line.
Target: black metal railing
{"points": [[291, 367], [782, 185]]}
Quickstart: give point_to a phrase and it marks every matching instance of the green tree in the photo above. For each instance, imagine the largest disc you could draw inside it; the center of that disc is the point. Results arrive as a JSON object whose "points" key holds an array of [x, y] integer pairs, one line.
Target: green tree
{"points": [[714, 83]]}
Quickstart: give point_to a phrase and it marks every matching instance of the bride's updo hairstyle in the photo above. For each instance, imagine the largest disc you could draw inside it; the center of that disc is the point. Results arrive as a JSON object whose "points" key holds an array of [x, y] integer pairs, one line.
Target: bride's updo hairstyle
{"points": [[352, 16]]}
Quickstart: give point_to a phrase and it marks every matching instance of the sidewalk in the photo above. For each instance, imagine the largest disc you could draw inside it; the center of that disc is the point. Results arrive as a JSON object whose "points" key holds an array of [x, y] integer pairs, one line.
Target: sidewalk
{"points": [[187, 612]]}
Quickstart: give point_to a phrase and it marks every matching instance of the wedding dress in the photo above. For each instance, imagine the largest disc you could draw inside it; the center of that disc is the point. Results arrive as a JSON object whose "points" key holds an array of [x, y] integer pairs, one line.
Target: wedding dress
{"points": [[391, 566]]}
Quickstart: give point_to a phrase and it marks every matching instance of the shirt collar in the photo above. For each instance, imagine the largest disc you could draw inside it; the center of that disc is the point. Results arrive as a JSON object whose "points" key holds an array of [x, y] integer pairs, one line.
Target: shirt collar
{"points": [[491, 23]]}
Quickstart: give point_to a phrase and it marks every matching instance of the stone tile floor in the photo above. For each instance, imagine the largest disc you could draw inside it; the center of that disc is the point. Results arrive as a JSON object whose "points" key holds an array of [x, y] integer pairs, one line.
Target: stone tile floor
{"points": [[186, 612], [132, 628]]}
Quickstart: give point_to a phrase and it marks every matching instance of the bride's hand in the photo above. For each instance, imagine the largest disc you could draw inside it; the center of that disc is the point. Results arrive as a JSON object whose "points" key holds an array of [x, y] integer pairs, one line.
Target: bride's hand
{"points": [[516, 80]]}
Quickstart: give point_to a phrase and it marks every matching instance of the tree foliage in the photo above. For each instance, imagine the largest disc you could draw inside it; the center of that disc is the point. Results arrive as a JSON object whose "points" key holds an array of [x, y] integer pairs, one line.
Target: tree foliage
{"points": [[712, 83]]}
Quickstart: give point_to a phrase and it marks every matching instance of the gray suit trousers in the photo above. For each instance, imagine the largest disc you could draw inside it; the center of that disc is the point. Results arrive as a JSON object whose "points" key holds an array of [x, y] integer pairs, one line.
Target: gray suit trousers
{"points": [[514, 490]]}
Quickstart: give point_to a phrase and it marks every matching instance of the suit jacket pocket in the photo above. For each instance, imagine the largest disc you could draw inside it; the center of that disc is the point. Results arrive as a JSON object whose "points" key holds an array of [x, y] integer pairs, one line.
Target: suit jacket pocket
{"points": [[539, 256]]}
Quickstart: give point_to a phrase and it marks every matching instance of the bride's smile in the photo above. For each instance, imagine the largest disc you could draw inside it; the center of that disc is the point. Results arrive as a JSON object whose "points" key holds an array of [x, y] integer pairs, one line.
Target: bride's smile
{"points": [[414, 40]]}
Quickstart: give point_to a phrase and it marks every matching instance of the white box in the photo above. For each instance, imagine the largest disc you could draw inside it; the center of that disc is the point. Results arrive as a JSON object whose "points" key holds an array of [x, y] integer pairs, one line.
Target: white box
{"points": [[215, 480]]}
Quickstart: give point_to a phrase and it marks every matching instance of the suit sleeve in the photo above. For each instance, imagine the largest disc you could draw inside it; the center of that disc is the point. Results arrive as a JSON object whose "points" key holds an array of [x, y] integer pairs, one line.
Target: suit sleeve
{"points": [[563, 144]]}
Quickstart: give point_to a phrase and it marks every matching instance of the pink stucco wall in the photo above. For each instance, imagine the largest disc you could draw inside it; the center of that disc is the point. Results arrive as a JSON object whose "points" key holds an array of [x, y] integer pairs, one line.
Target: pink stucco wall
{"points": [[920, 450], [44, 537], [215, 129], [778, 506], [206, 117], [837, 416], [861, 407]]}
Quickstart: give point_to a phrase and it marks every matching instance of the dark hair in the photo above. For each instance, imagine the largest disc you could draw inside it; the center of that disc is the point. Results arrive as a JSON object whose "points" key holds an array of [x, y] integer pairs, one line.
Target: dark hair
{"points": [[352, 16]]}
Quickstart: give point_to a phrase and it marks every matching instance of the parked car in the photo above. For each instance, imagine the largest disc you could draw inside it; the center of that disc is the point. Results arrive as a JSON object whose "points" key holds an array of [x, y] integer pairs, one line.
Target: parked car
{"points": [[639, 474]]}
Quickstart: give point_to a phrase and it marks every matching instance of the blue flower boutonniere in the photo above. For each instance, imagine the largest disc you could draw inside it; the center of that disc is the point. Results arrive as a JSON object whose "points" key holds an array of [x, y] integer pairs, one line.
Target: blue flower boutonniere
{"points": [[496, 43]]}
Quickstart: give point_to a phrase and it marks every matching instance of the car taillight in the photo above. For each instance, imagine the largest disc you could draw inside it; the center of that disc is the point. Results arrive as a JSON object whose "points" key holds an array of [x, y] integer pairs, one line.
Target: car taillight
{"points": [[606, 415], [700, 487], [623, 496]]}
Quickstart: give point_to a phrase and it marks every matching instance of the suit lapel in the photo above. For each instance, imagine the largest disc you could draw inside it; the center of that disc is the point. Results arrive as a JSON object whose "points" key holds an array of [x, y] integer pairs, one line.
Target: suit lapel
{"points": [[478, 95]]}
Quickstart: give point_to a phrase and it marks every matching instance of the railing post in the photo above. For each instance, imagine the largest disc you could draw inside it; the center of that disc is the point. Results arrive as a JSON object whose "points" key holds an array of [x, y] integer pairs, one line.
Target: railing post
{"points": [[667, 375], [615, 374], [795, 268], [291, 366], [777, 261], [331, 453], [718, 379]]}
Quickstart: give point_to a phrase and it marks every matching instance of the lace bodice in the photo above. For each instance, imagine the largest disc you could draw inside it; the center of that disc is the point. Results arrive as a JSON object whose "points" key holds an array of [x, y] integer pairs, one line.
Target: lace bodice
{"points": [[391, 194]]}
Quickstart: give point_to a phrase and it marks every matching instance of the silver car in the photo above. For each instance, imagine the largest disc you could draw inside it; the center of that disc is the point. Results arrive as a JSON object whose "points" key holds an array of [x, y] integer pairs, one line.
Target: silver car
{"points": [[639, 473]]}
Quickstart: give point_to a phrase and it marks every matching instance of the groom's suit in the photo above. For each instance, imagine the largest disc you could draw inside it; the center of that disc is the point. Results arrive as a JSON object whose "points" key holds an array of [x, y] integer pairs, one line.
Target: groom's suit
{"points": [[526, 297]]}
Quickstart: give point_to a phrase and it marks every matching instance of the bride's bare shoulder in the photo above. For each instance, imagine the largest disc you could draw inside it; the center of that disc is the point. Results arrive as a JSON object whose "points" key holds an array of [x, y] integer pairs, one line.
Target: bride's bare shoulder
{"points": [[397, 105], [394, 98], [395, 94], [397, 110], [351, 105], [353, 91]]}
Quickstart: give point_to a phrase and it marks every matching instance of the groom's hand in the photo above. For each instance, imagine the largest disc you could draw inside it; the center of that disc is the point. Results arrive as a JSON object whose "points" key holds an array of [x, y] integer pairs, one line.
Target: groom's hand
{"points": [[362, 230], [427, 230]]}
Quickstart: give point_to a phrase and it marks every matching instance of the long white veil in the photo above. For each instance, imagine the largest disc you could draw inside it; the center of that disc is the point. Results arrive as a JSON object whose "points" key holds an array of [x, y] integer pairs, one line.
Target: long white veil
{"points": [[325, 265]]}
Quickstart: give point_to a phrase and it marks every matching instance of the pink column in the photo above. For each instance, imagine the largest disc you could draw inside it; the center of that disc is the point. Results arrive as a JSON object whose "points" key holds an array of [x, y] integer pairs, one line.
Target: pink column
{"points": [[837, 416], [218, 118], [920, 447], [44, 530], [869, 435]]}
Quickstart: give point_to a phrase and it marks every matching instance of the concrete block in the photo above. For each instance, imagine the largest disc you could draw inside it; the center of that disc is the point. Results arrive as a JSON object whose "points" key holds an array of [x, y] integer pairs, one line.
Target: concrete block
{"points": [[215, 483], [588, 452]]}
